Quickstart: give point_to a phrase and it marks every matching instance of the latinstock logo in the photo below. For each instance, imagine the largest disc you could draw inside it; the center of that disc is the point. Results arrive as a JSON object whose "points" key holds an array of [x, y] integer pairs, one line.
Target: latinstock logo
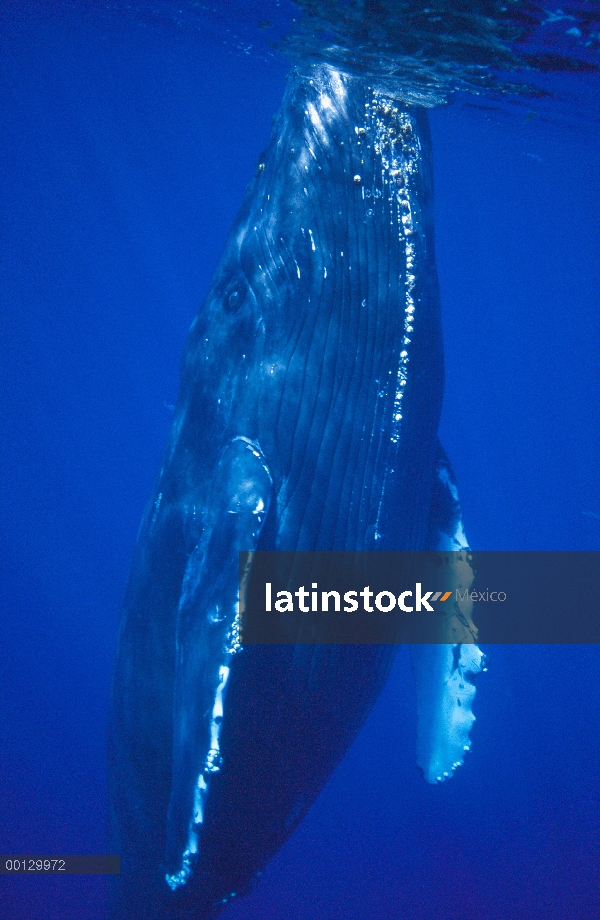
{"points": [[385, 601]]}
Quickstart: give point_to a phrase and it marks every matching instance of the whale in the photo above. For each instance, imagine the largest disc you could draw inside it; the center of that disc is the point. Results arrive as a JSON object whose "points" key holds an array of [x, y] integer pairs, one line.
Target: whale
{"points": [[307, 419]]}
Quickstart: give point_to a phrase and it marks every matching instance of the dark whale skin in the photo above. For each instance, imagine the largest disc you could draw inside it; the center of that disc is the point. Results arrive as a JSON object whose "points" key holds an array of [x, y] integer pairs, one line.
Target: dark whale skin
{"points": [[310, 397]]}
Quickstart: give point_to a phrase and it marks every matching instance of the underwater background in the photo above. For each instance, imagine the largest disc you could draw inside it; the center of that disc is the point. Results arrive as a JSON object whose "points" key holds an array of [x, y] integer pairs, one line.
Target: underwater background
{"points": [[129, 133]]}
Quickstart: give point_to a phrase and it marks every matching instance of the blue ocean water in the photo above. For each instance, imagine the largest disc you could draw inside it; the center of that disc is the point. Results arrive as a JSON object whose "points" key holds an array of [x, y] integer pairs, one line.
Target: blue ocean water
{"points": [[128, 141]]}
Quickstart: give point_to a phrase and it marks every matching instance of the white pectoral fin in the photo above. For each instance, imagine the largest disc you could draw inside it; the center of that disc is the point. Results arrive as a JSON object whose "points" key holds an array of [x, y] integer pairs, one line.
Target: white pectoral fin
{"points": [[445, 693], [207, 637], [444, 673]]}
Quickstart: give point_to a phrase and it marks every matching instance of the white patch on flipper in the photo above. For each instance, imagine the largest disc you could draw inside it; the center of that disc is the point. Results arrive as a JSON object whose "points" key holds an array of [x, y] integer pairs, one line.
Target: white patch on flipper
{"points": [[457, 540], [207, 637], [444, 675], [445, 693]]}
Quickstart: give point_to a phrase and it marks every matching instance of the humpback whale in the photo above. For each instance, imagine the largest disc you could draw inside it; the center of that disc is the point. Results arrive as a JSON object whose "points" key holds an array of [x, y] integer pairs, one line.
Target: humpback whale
{"points": [[311, 390]]}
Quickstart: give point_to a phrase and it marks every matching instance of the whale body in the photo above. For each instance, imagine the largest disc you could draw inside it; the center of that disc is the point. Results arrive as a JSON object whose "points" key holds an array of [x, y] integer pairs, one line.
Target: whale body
{"points": [[310, 398]]}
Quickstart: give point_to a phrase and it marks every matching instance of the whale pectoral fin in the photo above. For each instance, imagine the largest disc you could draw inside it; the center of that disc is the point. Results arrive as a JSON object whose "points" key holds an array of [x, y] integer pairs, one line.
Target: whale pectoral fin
{"points": [[444, 672], [207, 636], [445, 692]]}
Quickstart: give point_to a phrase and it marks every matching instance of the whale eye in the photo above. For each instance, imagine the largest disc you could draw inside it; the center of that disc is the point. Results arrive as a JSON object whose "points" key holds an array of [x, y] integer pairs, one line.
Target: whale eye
{"points": [[234, 297]]}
